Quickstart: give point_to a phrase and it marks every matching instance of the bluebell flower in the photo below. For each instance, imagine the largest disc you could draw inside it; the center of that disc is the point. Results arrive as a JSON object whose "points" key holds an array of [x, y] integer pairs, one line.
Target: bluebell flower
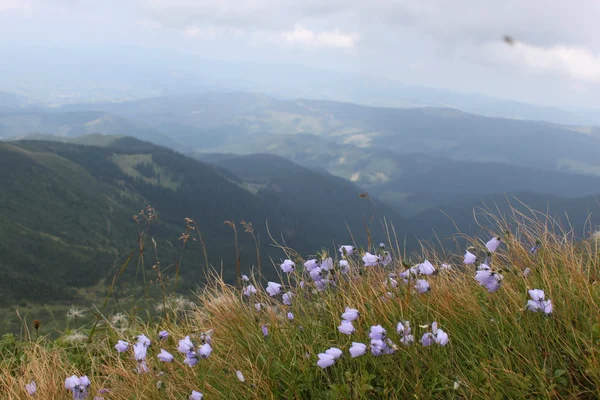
{"points": [[493, 244], [249, 290], [78, 385], [377, 332], [538, 302], [426, 268], [489, 279], [350, 314], [162, 335], [469, 258], [273, 288], [122, 346], [325, 360], [196, 395], [287, 266], [144, 340], [370, 260], [346, 250], [346, 327], [31, 388], [344, 266], [316, 274], [165, 356], [287, 298], [422, 286], [205, 350], [311, 264], [327, 264], [357, 349], [185, 345], [191, 359]]}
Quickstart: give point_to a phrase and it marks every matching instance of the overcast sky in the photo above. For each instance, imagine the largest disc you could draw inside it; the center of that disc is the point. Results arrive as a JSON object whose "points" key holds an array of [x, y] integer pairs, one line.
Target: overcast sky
{"points": [[453, 44]]}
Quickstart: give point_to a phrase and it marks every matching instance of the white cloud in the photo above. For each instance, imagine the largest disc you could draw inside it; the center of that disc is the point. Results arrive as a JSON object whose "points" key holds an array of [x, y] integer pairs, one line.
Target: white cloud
{"points": [[574, 62], [15, 5], [306, 37]]}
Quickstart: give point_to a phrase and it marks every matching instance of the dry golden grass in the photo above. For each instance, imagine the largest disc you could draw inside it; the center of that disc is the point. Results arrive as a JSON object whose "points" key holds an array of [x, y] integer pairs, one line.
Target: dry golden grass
{"points": [[497, 349]]}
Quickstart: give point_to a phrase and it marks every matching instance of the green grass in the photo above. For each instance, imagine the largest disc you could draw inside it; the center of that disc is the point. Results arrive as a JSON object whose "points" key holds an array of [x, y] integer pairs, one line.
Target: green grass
{"points": [[497, 349]]}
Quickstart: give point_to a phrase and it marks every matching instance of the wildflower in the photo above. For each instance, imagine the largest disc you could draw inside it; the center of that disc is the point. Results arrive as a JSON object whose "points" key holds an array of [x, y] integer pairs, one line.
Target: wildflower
{"points": [[426, 268], [311, 264], [357, 349], [381, 245], [249, 290], [393, 283], [488, 279], [325, 360], [403, 329], [377, 332], [302, 284], [78, 385], [257, 306], [31, 388], [290, 316], [287, 266], [205, 337], [122, 346], [527, 272], [165, 356], [346, 327], [335, 352], [441, 337], [350, 314], [456, 385], [379, 346], [446, 267], [538, 302], [240, 376], [273, 288], [370, 260], [140, 351], [191, 359], [428, 339], [535, 248], [185, 345], [493, 244], [347, 250], [483, 267], [265, 330], [287, 298], [387, 259], [162, 335], [205, 350], [143, 339], [245, 278], [321, 284], [422, 286], [316, 274], [327, 264], [344, 266], [469, 258], [196, 395]]}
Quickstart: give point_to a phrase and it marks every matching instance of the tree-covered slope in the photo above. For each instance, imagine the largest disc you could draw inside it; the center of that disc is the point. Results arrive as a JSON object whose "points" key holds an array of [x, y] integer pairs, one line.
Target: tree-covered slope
{"points": [[66, 213]]}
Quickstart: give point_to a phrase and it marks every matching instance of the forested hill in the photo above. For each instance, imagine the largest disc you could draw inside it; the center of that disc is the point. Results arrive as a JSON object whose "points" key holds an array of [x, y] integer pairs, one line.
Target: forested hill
{"points": [[66, 215]]}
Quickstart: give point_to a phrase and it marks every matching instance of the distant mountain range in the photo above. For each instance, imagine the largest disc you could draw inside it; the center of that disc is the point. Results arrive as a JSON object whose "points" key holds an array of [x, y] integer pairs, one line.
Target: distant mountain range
{"points": [[411, 158]]}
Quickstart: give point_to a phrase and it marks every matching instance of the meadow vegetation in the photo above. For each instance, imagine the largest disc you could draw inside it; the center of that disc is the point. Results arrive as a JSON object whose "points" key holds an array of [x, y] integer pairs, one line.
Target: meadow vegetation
{"points": [[274, 340]]}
